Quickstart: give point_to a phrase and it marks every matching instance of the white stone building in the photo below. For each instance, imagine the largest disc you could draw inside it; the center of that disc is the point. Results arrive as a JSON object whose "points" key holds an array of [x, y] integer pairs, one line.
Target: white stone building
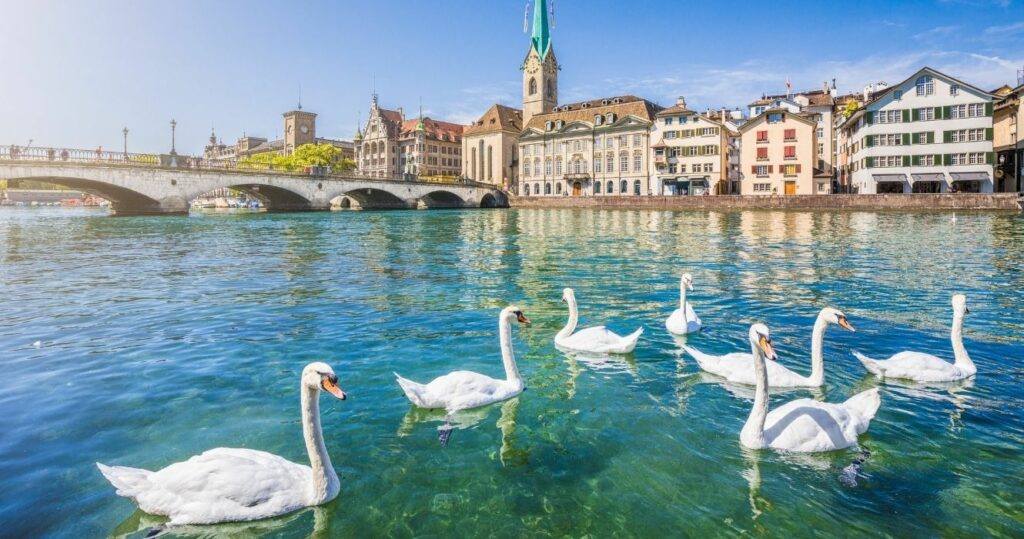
{"points": [[930, 133]]}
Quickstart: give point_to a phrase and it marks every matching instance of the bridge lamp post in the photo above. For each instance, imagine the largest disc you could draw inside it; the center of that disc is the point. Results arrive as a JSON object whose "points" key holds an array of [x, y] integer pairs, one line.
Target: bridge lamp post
{"points": [[174, 125], [125, 133]]}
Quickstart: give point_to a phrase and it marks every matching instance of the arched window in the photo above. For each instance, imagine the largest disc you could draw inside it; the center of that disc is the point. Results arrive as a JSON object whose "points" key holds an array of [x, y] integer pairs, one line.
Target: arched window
{"points": [[597, 188], [623, 162], [558, 166], [549, 89], [547, 188], [610, 187], [536, 188], [925, 85], [636, 187], [533, 86], [610, 162], [623, 187], [558, 188], [472, 164]]}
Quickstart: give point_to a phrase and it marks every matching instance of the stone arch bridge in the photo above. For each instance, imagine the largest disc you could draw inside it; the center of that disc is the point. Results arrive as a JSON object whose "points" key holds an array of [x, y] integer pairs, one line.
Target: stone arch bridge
{"points": [[133, 189]]}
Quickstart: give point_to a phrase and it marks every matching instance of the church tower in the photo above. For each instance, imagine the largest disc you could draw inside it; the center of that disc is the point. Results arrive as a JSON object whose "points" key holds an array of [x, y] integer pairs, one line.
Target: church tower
{"points": [[540, 68]]}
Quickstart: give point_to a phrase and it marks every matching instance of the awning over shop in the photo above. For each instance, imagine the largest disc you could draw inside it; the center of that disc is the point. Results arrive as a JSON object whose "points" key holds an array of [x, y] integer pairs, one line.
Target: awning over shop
{"points": [[889, 177], [968, 176], [929, 177]]}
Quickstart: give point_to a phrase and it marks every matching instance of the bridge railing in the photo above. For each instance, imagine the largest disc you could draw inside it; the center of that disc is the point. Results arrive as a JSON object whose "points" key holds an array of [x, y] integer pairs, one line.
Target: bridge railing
{"points": [[100, 157]]}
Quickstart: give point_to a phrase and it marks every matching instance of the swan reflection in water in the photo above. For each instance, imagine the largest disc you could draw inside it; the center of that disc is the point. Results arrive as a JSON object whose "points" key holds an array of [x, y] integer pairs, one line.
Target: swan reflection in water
{"points": [[957, 393], [141, 524], [605, 363], [468, 419]]}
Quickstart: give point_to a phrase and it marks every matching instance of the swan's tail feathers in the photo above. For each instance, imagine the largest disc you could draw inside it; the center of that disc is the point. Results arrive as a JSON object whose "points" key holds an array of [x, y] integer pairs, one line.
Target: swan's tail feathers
{"points": [[129, 482], [865, 404], [701, 358], [630, 340], [871, 365], [412, 390]]}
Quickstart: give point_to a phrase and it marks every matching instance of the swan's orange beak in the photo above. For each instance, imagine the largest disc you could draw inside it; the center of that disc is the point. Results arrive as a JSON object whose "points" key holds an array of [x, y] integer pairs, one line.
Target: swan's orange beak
{"points": [[768, 349], [522, 318], [331, 386], [845, 324]]}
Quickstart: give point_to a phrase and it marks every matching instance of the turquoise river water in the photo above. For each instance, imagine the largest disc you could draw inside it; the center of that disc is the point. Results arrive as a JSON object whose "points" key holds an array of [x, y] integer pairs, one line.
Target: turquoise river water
{"points": [[144, 341]]}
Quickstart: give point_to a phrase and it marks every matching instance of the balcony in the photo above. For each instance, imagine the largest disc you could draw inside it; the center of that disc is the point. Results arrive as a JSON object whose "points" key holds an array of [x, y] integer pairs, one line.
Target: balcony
{"points": [[570, 176]]}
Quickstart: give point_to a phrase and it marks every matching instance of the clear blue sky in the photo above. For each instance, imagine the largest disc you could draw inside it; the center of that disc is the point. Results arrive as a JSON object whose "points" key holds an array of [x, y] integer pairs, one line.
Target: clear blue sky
{"points": [[75, 72]]}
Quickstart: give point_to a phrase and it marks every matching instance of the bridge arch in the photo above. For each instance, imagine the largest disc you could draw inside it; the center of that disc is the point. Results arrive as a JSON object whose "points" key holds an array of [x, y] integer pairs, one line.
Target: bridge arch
{"points": [[123, 201], [442, 199], [273, 197], [371, 198]]}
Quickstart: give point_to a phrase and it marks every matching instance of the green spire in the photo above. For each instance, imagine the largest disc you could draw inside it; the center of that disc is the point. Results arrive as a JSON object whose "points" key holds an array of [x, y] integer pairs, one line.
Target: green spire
{"points": [[541, 37]]}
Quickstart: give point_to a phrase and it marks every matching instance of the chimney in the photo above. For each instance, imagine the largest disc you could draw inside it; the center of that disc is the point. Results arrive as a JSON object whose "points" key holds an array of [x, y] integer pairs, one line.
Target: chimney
{"points": [[824, 87], [722, 118], [867, 93], [401, 113]]}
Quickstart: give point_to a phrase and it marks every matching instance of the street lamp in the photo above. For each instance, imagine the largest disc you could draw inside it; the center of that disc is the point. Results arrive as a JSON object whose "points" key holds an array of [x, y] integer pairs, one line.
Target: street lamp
{"points": [[125, 133], [174, 126]]}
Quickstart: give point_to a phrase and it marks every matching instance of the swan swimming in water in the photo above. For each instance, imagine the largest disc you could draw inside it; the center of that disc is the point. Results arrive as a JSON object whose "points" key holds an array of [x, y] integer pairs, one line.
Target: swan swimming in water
{"points": [[461, 390], [683, 320], [230, 485], [802, 425], [921, 367], [738, 367], [596, 339]]}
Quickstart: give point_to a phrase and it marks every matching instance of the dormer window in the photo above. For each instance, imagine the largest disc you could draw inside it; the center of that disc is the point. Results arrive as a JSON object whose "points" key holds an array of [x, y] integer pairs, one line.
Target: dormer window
{"points": [[548, 126], [954, 89], [598, 119], [604, 101], [559, 124], [610, 117], [616, 101], [585, 105]]}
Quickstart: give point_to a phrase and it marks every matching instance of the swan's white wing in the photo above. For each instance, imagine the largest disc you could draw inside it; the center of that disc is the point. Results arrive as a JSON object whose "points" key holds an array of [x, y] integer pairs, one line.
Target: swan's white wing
{"points": [[460, 390], [918, 366], [691, 315], [599, 339], [225, 484], [807, 425], [738, 367], [682, 323]]}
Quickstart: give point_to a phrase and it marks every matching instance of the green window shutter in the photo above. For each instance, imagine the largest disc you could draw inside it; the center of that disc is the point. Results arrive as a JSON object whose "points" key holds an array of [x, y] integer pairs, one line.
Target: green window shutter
{"points": [[947, 136], [931, 137], [947, 159], [937, 113], [915, 160], [988, 133], [869, 117], [869, 140], [990, 157], [906, 160], [945, 112], [906, 139], [906, 115], [988, 109], [916, 115], [937, 158], [869, 162]]}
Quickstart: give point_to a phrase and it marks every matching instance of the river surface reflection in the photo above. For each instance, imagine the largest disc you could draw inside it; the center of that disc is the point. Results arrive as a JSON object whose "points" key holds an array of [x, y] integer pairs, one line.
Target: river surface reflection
{"points": [[143, 341]]}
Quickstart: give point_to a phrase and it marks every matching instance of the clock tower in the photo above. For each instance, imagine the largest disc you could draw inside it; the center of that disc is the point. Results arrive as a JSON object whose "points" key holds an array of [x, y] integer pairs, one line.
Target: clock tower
{"points": [[299, 129], [540, 68]]}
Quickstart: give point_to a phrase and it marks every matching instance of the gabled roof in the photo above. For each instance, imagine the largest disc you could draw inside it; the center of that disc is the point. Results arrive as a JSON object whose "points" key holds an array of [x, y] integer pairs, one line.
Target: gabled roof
{"points": [[497, 118], [675, 109], [878, 95], [584, 111], [764, 115], [435, 129]]}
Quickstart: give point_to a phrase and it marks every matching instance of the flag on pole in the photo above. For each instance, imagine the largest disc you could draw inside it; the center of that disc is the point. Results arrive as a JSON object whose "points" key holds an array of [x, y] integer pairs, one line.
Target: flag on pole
{"points": [[526, 17], [551, 10], [787, 87]]}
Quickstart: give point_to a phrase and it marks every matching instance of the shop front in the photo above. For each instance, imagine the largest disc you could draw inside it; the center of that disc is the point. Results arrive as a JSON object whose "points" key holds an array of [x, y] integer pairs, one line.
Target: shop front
{"points": [[889, 183], [685, 185], [971, 182], [927, 183]]}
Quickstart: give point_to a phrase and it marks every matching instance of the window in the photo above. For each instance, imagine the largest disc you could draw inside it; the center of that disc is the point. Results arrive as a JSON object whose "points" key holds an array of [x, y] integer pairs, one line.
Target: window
{"points": [[547, 188], [897, 95], [533, 86], [705, 131], [889, 116], [558, 188], [547, 167], [975, 110], [536, 188], [668, 121], [888, 161], [622, 141], [789, 134], [967, 135], [682, 119], [636, 187], [624, 162], [762, 187], [762, 154], [921, 138], [821, 148], [708, 167], [673, 168], [671, 134], [761, 170], [609, 165], [926, 114], [790, 170], [892, 139], [954, 89], [925, 85], [558, 166], [536, 166], [576, 146], [597, 164], [624, 187], [597, 188], [597, 143], [610, 187], [636, 140], [976, 158], [926, 160], [775, 117], [682, 168], [789, 152], [821, 132], [637, 161]]}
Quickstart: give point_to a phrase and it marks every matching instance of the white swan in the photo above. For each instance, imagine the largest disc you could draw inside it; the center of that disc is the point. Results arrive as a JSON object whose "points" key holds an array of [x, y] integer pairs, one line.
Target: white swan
{"points": [[803, 425], [921, 367], [738, 367], [461, 390], [683, 320], [595, 339], [230, 485]]}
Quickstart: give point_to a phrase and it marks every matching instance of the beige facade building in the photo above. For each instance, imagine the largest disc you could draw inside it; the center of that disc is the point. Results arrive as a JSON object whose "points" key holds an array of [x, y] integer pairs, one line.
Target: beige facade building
{"points": [[1007, 138], [299, 129], [490, 147], [779, 154], [593, 148], [392, 146], [692, 152]]}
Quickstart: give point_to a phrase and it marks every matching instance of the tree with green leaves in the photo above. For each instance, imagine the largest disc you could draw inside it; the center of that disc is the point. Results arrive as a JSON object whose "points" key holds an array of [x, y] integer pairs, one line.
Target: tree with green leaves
{"points": [[307, 155], [850, 109]]}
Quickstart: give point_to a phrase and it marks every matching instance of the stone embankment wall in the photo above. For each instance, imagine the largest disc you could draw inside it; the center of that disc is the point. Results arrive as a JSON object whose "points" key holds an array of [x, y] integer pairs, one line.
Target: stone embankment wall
{"points": [[960, 201]]}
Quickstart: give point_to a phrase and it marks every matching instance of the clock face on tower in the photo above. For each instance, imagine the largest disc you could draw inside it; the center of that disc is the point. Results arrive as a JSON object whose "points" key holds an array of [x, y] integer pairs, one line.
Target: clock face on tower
{"points": [[304, 129], [532, 66]]}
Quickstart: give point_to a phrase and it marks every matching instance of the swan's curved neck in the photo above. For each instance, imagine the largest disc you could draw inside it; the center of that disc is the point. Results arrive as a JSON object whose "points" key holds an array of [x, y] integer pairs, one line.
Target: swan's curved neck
{"points": [[682, 295], [962, 360], [507, 357], [325, 481], [752, 434], [574, 315], [817, 358]]}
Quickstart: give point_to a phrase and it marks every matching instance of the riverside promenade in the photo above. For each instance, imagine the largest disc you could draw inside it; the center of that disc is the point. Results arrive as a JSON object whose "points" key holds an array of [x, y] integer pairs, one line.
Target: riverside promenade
{"points": [[944, 201]]}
